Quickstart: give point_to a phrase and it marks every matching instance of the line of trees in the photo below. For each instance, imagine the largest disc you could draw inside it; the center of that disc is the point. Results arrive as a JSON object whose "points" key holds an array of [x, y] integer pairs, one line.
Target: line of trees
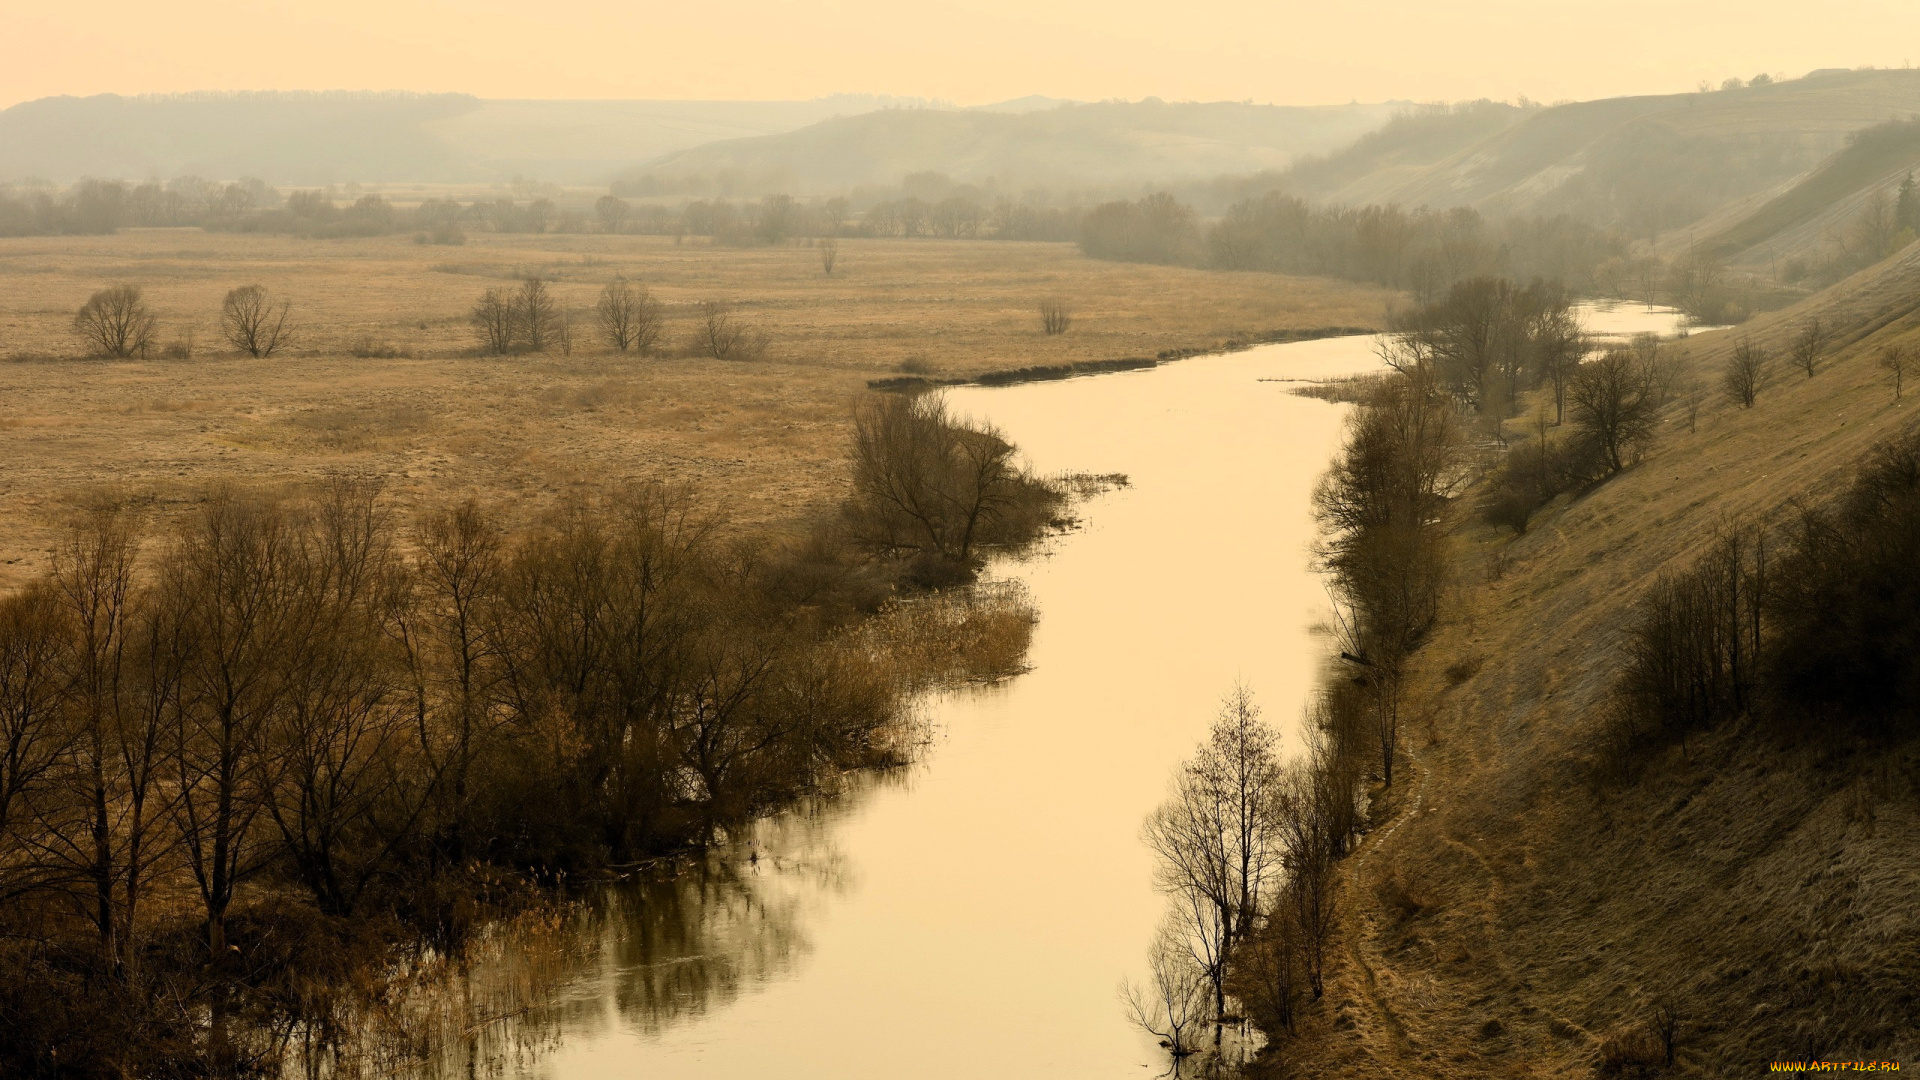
{"points": [[1423, 251], [251, 761], [104, 206], [1814, 624], [1248, 848]]}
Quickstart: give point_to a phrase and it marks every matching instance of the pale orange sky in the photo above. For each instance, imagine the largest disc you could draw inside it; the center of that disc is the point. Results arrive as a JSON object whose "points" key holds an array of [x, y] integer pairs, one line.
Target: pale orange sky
{"points": [[1283, 51]]}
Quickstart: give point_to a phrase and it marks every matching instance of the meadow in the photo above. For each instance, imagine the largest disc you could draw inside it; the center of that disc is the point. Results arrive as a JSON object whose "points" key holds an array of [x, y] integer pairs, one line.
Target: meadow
{"points": [[383, 378]]}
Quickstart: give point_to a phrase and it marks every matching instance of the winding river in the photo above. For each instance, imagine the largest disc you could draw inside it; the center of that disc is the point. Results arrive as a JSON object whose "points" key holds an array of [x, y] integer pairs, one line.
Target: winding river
{"points": [[973, 914]]}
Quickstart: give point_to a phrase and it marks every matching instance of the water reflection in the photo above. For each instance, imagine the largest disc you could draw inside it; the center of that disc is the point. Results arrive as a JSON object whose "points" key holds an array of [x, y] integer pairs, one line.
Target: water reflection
{"points": [[974, 913]]}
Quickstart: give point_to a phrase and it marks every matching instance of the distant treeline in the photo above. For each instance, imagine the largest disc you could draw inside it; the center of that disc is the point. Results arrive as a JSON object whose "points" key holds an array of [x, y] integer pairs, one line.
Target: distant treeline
{"points": [[1422, 251], [94, 207]]}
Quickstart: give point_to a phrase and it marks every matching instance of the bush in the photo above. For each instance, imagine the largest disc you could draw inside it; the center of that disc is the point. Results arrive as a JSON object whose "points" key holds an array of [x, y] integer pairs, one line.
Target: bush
{"points": [[1843, 602], [723, 336], [1055, 317], [1533, 474]]}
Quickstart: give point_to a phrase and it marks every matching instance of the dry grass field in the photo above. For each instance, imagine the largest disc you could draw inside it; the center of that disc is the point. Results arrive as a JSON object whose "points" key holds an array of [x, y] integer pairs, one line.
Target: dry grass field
{"points": [[383, 378]]}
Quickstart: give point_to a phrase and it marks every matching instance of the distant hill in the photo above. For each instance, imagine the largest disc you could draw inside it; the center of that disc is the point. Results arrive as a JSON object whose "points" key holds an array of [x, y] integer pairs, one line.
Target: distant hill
{"points": [[1652, 165], [1818, 209], [1108, 144], [320, 138], [1399, 150]]}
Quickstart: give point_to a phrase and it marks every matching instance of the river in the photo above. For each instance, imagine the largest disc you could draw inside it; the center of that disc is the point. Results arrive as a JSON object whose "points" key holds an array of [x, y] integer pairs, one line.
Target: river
{"points": [[973, 914]]}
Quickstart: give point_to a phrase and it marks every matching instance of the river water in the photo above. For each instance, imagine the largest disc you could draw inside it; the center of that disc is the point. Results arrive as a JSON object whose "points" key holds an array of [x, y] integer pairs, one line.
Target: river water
{"points": [[973, 914]]}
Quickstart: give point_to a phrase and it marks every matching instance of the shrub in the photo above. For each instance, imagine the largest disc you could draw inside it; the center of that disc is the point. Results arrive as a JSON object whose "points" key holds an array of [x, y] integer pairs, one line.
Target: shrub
{"points": [[1055, 317], [723, 336], [1843, 601]]}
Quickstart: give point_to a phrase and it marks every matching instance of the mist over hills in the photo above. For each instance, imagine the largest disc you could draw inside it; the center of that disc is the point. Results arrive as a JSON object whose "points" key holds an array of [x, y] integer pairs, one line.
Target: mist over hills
{"points": [[1670, 168], [1109, 143], [322, 138]]}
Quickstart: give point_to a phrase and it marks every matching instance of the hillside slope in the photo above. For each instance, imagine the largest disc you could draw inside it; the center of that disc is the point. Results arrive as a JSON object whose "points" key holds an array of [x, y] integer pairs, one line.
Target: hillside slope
{"points": [[1105, 143], [1518, 908], [1651, 164]]}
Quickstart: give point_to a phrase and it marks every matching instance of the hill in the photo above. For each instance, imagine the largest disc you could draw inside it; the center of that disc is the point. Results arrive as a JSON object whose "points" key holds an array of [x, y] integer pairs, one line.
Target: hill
{"points": [[1650, 164], [321, 138], [1521, 906], [1107, 144]]}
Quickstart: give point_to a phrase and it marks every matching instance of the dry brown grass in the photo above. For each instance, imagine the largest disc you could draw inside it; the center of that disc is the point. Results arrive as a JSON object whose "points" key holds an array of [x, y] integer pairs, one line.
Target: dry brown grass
{"points": [[1737, 878], [380, 379]]}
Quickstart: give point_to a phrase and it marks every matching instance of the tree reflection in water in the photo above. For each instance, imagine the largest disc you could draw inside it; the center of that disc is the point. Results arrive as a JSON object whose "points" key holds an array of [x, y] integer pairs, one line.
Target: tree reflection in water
{"points": [[644, 954]]}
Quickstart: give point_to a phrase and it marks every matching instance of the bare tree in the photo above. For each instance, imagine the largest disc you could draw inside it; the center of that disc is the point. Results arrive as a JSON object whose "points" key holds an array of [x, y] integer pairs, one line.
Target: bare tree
{"points": [[109, 832], [612, 212], [32, 738], [1694, 397], [1744, 374], [229, 578], [1055, 316], [493, 321], [116, 322], [1810, 344], [1215, 837], [1306, 813], [1613, 406], [724, 336], [926, 485], [829, 254], [535, 313], [1895, 361], [251, 322], [1695, 281], [1174, 1005], [629, 316]]}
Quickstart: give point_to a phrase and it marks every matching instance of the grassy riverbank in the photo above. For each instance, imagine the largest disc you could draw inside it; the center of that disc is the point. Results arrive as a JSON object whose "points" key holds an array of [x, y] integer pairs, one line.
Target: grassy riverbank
{"points": [[1522, 910]]}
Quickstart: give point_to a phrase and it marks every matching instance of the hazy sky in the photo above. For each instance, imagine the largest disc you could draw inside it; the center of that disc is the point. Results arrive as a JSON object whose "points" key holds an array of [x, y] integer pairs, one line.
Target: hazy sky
{"points": [[1284, 51]]}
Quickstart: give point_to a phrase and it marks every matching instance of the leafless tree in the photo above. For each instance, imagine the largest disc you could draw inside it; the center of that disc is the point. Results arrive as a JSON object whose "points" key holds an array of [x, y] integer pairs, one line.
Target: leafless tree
{"points": [[493, 321], [1744, 374], [33, 740], [1694, 397], [1306, 814], [724, 336], [344, 791], [1613, 405], [116, 322], [1215, 838], [110, 830], [1055, 316], [629, 316], [1175, 1004], [251, 322], [1659, 367], [535, 315], [1895, 361], [927, 485], [612, 212], [1810, 344], [230, 578], [829, 254], [1695, 282]]}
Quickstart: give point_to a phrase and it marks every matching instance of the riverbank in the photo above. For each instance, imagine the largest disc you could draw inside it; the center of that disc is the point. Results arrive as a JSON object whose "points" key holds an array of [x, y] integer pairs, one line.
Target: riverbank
{"points": [[1517, 912]]}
